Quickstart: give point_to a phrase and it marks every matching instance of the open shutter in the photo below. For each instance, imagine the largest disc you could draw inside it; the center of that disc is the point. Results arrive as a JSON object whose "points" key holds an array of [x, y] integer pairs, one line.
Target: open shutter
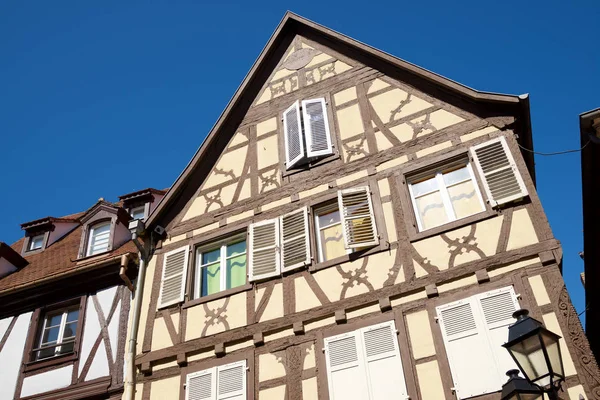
{"points": [[497, 307], [316, 128], [292, 133], [295, 247], [201, 385], [172, 285], [383, 363], [358, 219], [345, 367], [231, 381], [263, 252], [501, 178], [469, 355]]}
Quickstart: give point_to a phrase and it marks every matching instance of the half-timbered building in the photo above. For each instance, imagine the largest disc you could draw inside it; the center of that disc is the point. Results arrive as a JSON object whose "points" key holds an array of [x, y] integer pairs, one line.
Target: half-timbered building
{"points": [[65, 291], [353, 227]]}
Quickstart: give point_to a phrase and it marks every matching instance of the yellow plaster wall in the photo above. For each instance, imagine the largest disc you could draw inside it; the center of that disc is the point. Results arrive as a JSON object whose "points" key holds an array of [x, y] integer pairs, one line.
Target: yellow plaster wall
{"points": [[407, 298], [345, 96], [430, 381], [197, 316], [575, 392], [266, 126], [274, 307], [421, 337], [522, 232], [311, 192], [167, 388], [349, 122], [433, 149], [319, 323], [551, 323], [376, 85], [267, 152], [196, 208], [279, 334], [390, 224], [457, 283], [351, 177], [478, 133], [539, 290], [305, 297], [511, 267], [392, 163], [385, 104], [357, 312], [310, 359], [276, 393], [309, 389], [238, 138], [270, 367], [150, 267], [229, 162], [160, 335]]}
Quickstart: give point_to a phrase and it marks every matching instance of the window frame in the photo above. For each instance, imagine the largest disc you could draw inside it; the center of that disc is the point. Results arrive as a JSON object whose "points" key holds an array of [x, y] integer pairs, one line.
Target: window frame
{"points": [[438, 174], [60, 340], [90, 232], [132, 210], [29, 238], [317, 228]]}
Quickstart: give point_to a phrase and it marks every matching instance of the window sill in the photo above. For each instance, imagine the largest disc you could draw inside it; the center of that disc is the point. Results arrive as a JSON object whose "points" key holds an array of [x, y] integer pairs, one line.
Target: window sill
{"points": [[216, 296], [50, 362], [307, 167], [349, 257], [438, 230]]}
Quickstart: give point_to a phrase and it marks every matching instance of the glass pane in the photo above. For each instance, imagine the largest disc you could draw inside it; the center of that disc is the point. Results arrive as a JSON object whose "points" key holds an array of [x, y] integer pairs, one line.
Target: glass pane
{"points": [[66, 348], [431, 210], [50, 335], [236, 271], [70, 330], [530, 357], [210, 280], [211, 256], [425, 186], [329, 218], [332, 242], [458, 175], [46, 353], [464, 199], [73, 316], [236, 248], [36, 242], [53, 320]]}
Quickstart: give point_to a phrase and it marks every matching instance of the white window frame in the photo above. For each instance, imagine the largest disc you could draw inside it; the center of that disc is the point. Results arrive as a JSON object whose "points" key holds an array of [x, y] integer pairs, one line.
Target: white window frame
{"points": [[307, 133], [133, 210], [213, 372], [93, 228], [32, 240], [61, 331], [222, 245], [317, 211], [438, 174]]}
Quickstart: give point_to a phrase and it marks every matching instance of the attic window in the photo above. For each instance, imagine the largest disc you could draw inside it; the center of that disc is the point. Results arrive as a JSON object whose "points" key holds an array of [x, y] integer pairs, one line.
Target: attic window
{"points": [[138, 212], [36, 242], [98, 239]]}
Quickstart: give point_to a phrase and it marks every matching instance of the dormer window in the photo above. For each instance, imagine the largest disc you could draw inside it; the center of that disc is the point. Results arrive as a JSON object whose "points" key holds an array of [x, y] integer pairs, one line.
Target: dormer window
{"points": [[138, 212], [99, 239], [36, 242]]}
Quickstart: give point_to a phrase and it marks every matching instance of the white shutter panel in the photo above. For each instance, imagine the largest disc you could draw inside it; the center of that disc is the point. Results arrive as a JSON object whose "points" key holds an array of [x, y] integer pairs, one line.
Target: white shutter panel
{"points": [[172, 285], [316, 128], [263, 259], [201, 385], [292, 133], [358, 219], [496, 165], [295, 247], [383, 363], [497, 307], [346, 375], [468, 352], [231, 381]]}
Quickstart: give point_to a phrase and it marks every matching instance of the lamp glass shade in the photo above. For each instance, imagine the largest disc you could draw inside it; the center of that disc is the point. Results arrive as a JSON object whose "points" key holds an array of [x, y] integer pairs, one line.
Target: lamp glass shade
{"points": [[539, 357]]}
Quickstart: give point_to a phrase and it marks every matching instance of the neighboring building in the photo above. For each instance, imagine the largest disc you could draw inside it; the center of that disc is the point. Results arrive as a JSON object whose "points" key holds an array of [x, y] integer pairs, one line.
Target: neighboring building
{"points": [[353, 227], [589, 123], [64, 303]]}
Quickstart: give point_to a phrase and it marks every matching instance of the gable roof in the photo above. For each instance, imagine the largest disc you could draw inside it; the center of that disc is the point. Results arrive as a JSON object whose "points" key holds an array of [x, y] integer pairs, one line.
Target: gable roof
{"points": [[292, 25]]}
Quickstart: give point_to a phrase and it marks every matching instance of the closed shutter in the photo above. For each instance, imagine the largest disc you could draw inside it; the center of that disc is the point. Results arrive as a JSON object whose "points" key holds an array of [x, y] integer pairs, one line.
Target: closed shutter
{"points": [[172, 285], [231, 381], [201, 385], [358, 219], [497, 308], [316, 128], [383, 363], [501, 178], [263, 252], [346, 376], [295, 248], [292, 133], [467, 348]]}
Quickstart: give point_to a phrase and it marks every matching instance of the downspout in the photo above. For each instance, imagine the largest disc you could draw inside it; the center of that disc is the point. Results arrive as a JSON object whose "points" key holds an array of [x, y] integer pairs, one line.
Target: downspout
{"points": [[123, 272], [130, 379]]}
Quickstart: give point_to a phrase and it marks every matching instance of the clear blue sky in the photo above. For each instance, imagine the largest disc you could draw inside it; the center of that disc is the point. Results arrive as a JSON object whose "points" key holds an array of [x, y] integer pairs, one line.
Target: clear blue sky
{"points": [[89, 93]]}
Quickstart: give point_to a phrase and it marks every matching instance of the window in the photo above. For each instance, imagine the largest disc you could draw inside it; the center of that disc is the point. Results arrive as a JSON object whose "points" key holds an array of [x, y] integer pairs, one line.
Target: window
{"points": [[220, 266], [328, 232], [306, 134], [36, 242], [365, 364], [57, 333], [98, 239], [444, 195], [172, 284], [474, 330], [222, 382], [138, 212]]}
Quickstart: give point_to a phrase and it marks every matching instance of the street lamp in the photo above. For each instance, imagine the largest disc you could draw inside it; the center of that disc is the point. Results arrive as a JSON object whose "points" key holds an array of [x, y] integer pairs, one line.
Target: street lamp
{"points": [[537, 353], [518, 388]]}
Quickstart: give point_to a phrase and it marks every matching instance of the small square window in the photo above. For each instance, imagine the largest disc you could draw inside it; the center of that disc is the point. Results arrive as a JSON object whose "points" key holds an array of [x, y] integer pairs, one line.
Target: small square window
{"points": [[98, 239], [138, 212], [36, 242], [220, 266], [57, 333], [445, 194], [328, 232]]}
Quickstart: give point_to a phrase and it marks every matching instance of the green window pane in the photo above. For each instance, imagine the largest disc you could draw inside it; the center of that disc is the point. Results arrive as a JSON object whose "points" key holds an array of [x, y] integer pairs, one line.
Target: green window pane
{"points": [[211, 256], [236, 271], [210, 279], [236, 249]]}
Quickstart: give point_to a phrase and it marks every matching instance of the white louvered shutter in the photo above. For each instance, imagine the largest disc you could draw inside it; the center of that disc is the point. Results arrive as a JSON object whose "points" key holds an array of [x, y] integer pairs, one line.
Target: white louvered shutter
{"points": [[383, 363], [292, 133], [497, 307], [295, 247], [469, 355], [501, 178], [358, 219], [316, 128], [231, 381], [172, 285], [264, 259], [346, 375], [201, 385]]}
